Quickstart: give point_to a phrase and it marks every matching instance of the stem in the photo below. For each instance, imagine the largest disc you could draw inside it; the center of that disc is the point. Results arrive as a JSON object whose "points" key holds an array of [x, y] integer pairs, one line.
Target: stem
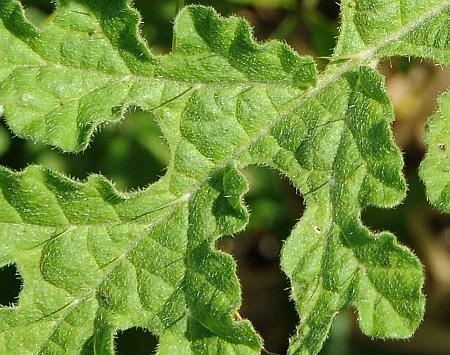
{"points": [[180, 5]]}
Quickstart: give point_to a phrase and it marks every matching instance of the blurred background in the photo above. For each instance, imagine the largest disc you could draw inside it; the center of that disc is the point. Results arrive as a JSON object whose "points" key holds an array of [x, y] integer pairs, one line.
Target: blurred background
{"points": [[133, 154]]}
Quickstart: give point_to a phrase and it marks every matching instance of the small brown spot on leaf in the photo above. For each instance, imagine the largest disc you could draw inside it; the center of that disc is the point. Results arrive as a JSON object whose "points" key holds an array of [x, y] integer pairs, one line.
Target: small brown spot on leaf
{"points": [[317, 229], [442, 147], [237, 316], [93, 32]]}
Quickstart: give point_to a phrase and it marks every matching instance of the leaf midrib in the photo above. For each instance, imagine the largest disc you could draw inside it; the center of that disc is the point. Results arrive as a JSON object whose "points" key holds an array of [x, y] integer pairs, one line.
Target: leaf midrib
{"points": [[141, 78], [113, 265]]}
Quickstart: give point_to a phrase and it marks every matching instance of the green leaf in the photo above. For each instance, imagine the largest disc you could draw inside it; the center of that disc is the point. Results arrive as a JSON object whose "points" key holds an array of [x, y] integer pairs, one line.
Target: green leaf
{"points": [[95, 261], [88, 66], [435, 169], [382, 28], [334, 262]]}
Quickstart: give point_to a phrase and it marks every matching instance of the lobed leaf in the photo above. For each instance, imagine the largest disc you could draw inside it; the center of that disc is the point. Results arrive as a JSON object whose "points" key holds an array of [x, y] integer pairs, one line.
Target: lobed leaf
{"points": [[333, 261], [95, 261], [89, 65]]}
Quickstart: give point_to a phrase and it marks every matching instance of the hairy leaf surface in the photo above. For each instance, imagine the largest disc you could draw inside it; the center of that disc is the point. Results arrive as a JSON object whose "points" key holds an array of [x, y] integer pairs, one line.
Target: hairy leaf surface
{"points": [[95, 261], [435, 169]]}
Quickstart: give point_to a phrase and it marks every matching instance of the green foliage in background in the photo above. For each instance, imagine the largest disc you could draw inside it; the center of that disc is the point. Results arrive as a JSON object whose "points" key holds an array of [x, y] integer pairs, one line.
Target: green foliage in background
{"points": [[95, 261]]}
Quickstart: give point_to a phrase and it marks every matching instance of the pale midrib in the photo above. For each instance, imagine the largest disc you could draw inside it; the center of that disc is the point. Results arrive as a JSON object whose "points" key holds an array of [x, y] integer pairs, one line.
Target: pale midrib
{"points": [[368, 54], [357, 59], [124, 77], [71, 225], [365, 54], [87, 294], [404, 30]]}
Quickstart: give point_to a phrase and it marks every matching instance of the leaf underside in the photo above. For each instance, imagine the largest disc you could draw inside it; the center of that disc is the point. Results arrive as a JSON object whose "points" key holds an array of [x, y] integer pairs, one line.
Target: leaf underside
{"points": [[95, 261]]}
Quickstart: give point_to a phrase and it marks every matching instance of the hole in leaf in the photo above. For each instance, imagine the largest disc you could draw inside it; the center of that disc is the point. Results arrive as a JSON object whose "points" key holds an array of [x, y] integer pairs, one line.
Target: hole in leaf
{"points": [[275, 208], [10, 285], [131, 153], [136, 341], [38, 12]]}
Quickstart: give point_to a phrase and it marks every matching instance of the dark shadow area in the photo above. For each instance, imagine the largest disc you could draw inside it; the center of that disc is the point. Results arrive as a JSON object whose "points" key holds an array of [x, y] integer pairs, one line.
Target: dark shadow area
{"points": [[45, 6], [395, 219], [132, 153], [274, 209], [135, 341], [38, 12], [10, 285], [330, 9]]}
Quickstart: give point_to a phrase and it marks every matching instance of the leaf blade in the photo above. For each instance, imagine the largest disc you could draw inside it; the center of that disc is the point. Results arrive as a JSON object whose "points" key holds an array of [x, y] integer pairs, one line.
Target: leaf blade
{"points": [[268, 107]]}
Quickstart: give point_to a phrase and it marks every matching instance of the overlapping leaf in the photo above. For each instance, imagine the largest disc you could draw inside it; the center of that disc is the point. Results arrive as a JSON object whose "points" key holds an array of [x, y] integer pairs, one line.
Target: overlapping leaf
{"points": [[95, 261]]}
